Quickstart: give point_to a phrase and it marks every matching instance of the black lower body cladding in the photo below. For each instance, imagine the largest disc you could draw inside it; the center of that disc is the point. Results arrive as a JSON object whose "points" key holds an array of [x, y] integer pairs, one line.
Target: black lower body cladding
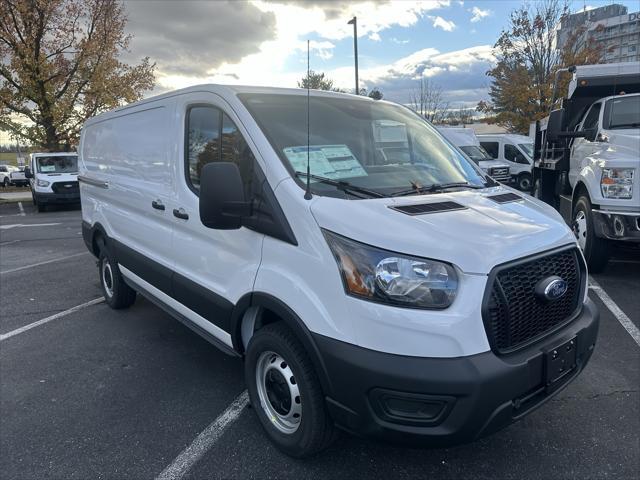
{"points": [[445, 401]]}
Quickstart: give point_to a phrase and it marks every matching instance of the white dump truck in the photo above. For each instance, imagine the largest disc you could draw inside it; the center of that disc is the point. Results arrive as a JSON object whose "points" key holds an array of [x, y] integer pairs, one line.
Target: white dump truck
{"points": [[587, 158]]}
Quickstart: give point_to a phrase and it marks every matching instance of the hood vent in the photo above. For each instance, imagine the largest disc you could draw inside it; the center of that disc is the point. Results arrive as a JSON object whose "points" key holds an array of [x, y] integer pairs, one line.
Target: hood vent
{"points": [[505, 198], [425, 208]]}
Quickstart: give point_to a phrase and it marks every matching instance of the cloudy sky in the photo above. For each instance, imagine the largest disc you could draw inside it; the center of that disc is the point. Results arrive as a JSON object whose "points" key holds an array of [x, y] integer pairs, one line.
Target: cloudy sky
{"points": [[264, 42]]}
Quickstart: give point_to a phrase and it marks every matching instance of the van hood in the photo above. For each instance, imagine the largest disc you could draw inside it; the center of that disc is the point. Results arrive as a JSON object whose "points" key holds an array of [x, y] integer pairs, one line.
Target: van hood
{"points": [[476, 238], [58, 177], [492, 164]]}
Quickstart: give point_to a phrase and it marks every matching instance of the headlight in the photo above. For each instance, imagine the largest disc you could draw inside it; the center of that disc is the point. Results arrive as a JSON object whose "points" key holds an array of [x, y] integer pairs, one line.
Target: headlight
{"points": [[392, 278], [42, 183], [617, 182]]}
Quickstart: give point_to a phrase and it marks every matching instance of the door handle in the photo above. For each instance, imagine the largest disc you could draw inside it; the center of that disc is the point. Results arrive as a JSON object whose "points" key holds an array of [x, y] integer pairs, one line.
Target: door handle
{"points": [[180, 213], [157, 204]]}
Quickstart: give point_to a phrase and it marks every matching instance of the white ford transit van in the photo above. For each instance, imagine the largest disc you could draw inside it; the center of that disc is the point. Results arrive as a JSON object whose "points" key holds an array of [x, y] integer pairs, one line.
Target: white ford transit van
{"points": [[514, 150], [465, 139], [396, 292], [53, 178]]}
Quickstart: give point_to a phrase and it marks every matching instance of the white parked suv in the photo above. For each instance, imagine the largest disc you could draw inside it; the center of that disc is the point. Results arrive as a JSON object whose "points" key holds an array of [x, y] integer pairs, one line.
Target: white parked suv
{"points": [[398, 292], [514, 150]]}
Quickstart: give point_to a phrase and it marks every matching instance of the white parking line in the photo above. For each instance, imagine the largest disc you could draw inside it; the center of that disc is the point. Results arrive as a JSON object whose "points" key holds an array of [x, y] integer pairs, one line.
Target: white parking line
{"points": [[22, 225], [22, 214], [43, 263], [20, 330], [625, 321], [203, 442]]}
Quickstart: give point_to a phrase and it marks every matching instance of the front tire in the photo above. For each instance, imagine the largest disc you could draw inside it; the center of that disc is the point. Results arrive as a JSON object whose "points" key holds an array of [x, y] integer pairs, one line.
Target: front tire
{"points": [[595, 249], [116, 292], [286, 394], [524, 182], [6, 182]]}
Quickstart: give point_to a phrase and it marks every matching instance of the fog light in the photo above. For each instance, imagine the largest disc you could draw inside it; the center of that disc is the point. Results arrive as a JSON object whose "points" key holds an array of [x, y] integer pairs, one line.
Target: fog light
{"points": [[410, 408], [618, 226]]}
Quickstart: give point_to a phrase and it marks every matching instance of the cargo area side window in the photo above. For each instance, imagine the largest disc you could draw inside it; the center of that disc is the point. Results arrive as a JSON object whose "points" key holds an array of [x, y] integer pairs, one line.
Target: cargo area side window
{"points": [[211, 136], [512, 154], [491, 148]]}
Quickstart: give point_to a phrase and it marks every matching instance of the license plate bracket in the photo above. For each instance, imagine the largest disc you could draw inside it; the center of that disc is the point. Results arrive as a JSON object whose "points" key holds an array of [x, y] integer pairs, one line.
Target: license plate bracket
{"points": [[560, 361]]}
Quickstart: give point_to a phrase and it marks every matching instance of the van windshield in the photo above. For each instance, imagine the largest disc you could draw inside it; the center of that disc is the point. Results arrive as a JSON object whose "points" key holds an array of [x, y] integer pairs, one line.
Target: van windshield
{"points": [[57, 164], [527, 148], [369, 144], [477, 154]]}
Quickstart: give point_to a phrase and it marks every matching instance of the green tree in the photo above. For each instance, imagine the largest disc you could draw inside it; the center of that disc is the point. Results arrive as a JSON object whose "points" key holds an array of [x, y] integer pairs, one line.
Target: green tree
{"points": [[527, 60], [60, 64], [317, 81]]}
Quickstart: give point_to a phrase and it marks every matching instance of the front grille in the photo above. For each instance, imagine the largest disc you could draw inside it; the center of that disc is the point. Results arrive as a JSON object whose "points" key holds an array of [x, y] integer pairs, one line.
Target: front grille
{"points": [[500, 172], [513, 315], [65, 187]]}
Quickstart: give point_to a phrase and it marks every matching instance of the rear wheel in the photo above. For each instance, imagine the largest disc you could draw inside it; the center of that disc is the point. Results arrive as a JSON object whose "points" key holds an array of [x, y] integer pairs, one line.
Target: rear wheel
{"points": [[594, 248], [116, 292], [6, 182], [286, 393]]}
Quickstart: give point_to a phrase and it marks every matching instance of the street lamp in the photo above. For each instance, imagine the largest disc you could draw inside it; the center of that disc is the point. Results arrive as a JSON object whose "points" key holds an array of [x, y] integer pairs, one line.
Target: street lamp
{"points": [[354, 22]]}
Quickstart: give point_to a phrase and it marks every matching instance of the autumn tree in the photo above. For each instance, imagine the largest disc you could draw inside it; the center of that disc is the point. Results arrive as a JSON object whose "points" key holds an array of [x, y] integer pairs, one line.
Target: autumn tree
{"points": [[428, 100], [527, 59], [60, 64]]}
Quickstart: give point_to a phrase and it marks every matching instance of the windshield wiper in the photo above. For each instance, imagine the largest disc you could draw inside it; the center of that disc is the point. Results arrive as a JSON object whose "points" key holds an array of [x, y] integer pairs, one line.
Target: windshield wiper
{"points": [[342, 185], [436, 187]]}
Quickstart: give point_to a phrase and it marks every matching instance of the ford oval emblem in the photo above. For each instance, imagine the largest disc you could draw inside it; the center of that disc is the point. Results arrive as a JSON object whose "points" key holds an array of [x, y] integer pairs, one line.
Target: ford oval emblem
{"points": [[551, 288]]}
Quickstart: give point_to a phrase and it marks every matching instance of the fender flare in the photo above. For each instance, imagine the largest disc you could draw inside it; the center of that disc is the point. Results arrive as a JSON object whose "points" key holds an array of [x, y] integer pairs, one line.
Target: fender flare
{"points": [[292, 320]]}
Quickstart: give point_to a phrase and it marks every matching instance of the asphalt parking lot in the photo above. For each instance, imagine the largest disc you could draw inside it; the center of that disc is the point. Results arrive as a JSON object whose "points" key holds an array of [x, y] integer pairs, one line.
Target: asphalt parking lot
{"points": [[98, 393]]}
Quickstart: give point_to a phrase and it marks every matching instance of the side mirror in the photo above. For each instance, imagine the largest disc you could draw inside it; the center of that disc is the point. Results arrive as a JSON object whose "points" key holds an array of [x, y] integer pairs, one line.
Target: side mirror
{"points": [[222, 202], [591, 134], [28, 173]]}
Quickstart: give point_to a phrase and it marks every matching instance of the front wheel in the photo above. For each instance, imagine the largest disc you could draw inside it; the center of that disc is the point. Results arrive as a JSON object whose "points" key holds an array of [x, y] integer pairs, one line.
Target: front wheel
{"points": [[6, 182], [524, 182], [286, 393], [594, 248]]}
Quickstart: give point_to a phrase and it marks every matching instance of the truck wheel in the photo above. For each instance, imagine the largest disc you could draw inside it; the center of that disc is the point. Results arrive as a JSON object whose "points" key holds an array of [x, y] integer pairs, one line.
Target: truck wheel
{"points": [[116, 292], [40, 206], [524, 182], [286, 393], [6, 182], [594, 248]]}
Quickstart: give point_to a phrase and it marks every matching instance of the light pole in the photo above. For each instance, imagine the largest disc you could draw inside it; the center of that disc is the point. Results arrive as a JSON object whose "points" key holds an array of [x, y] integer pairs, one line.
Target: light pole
{"points": [[354, 22]]}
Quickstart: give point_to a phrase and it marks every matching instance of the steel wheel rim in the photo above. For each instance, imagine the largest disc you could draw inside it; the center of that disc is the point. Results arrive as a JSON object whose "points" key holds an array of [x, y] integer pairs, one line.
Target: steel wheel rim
{"points": [[107, 278], [525, 183], [580, 228], [278, 392]]}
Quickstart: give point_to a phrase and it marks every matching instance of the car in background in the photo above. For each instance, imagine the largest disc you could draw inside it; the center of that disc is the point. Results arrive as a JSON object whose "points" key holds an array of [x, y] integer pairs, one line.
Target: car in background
{"points": [[465, 139], [53, 178], [18, 179], [514, 150], [5, 174]]}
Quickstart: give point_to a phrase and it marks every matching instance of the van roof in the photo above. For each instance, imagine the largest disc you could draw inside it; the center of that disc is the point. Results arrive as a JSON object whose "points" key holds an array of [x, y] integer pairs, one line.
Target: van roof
{"points": [[513, 137], [53, 154], [232, 90]]}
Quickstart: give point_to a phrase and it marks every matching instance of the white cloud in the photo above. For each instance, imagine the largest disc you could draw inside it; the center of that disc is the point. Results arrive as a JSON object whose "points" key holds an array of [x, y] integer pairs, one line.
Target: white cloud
{"points": [[375, 36], [479, 14], [398, 41], [446, 25]]}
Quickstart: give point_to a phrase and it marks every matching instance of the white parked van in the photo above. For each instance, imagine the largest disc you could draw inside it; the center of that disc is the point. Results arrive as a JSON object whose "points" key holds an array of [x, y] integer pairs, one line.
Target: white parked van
{"points": [[514, 150], [465, 139], [53, 178], [394, 290]]}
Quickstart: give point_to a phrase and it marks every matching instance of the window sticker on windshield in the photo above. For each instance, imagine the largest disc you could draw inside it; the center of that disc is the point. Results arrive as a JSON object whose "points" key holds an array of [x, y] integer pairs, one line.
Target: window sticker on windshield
{"points": [[47, 168], [332, 161]]}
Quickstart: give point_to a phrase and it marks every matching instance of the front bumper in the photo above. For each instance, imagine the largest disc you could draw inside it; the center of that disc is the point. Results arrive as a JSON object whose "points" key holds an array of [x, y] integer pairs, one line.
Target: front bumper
{"points": [[461, 399], [623, 226], [57, 198]]}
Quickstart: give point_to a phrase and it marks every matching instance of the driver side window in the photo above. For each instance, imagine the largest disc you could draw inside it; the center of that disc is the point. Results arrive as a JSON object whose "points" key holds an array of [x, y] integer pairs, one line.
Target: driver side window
{"points": [[591, 120]]}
